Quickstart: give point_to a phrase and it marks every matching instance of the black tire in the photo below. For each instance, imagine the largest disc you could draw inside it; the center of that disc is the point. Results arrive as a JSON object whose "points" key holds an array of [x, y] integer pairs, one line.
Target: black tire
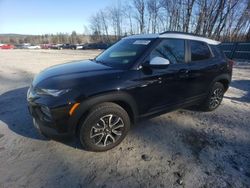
{"points": [[97, 132], [214, 97]]}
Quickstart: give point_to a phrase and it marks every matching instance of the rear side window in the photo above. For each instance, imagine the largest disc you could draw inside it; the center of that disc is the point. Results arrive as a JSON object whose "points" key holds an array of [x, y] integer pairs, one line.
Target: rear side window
{"points": [[171, 49], [199, 51], [221, 51]]}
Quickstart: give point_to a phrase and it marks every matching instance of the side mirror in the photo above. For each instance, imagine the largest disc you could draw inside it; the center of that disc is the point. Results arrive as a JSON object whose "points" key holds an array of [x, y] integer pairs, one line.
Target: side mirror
{"points": [[159, 62]]}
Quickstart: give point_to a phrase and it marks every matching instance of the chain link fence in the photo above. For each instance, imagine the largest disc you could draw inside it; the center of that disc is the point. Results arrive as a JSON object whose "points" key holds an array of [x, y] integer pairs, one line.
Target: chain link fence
{"points": [[236, 50]]}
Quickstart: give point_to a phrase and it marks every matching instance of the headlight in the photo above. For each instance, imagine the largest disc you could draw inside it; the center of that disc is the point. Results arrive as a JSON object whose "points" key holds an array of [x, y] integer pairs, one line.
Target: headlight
{"points": [[52, 92], [46, 111]]}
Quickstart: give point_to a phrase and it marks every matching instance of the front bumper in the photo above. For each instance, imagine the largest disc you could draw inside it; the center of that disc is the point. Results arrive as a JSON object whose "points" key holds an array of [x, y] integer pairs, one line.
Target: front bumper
{"points": [[54, 126], [57, 120], [47, 131]]}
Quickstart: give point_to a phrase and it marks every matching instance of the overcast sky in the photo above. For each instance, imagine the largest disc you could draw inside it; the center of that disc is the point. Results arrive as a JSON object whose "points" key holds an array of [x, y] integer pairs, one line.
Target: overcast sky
{"points": [[48, 16]]}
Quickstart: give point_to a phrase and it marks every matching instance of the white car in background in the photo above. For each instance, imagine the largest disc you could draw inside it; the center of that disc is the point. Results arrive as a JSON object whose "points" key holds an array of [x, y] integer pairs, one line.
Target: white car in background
{"points": [[34, 47], [79, 46]]}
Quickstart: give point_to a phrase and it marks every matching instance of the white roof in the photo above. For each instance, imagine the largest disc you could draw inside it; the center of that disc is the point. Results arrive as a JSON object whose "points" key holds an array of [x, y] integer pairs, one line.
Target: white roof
{"points": [[143, 36], [175, 36]]}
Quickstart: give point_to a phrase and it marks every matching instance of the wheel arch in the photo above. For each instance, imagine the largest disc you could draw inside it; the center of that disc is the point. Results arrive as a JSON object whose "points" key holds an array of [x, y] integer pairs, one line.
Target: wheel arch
{"points": [[120, 98], [225, 79]]}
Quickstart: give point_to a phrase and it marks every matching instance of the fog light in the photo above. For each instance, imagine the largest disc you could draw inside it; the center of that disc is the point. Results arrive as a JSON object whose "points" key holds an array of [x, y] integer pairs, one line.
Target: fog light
{"points": [[45, 110]]}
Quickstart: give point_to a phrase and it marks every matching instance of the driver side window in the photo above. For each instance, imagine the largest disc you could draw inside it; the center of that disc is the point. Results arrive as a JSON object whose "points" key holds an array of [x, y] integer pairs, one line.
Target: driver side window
{"points": [[171, 49]]}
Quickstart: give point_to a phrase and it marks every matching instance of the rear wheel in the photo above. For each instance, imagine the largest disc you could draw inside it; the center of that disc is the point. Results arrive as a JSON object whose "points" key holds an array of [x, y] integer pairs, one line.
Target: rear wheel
{"points": [[214, 97], [105, 127]]}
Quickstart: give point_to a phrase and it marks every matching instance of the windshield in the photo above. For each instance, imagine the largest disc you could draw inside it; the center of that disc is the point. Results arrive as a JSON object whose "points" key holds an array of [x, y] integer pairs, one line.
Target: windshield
{"points": [[124, 53]]}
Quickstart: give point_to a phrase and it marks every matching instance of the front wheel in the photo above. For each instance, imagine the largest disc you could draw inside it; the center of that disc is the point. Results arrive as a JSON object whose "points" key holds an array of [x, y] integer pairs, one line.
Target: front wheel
{"points": [[214, 97], [105, 127]]}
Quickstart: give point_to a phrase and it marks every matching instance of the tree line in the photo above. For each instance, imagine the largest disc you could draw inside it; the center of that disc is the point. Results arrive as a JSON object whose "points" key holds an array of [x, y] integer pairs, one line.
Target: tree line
{"points": [[59, 38], [226, 20]]}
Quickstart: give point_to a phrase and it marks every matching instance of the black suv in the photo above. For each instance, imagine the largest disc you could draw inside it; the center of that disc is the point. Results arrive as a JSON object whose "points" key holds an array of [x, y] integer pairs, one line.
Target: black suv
{"points": [[139, 76]]}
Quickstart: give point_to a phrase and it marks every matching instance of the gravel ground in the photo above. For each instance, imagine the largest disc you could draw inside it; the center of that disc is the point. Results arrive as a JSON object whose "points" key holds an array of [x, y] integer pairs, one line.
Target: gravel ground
{"points": [[184, 148]]}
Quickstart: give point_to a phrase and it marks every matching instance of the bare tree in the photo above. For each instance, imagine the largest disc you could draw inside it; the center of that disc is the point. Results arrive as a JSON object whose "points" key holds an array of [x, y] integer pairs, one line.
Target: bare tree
{"points": [[243, 23], [128, 15], [103, 16], [139, 6], [116, 14], [172, 10], [73, 37], [95, 24], [230, 5], [217, 19], [201, 16], [153, 7], [189, 8]]}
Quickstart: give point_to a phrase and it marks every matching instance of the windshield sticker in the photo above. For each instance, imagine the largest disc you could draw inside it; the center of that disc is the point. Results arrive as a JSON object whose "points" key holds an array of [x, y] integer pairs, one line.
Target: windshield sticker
{"points": [[142, 42]]}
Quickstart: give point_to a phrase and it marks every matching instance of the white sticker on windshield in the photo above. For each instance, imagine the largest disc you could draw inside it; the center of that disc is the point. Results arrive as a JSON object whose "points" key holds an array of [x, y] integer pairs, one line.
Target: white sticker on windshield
{"points": [[142, 42]]}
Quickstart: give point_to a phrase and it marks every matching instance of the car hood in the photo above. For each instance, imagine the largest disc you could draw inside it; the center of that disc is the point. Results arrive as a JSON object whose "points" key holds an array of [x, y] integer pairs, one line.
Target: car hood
{"points": [[68, 74]]}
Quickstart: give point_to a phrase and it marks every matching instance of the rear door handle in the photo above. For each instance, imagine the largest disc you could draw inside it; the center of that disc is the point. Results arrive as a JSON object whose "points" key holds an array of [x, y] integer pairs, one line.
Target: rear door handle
{"points": [[183, 73]]}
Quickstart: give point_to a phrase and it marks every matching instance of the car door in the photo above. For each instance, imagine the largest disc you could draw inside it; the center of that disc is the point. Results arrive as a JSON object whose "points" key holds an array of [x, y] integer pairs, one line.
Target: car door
{"points": [[202, 68], [164, 87]]}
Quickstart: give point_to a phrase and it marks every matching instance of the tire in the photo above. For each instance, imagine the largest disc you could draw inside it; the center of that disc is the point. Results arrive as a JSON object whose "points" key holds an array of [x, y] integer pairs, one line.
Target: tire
{"points": [[105, 126], [214, 97]]}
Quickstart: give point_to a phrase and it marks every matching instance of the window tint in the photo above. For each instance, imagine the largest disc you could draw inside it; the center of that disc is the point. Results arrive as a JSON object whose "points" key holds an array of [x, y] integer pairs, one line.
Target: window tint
{"points": [[199, 51], [171, 49]]}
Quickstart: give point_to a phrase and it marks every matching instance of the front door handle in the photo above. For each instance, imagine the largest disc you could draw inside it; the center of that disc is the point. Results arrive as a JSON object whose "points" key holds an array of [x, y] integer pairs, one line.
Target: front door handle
{"points": [[183, 71]]}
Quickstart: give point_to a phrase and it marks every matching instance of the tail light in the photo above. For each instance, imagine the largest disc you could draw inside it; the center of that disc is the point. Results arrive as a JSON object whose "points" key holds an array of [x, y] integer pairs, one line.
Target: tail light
{"points": [[230, 63]]}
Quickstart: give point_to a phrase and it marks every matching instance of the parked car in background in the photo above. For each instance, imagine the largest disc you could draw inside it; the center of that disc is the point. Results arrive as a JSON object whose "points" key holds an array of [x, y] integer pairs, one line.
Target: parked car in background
{"points": [[99, 45], [18, 46], [22, 46], [45, 46], [26, 45], [34, 47], [56, 46], [79, 46], [69, 46], [6, 46]]}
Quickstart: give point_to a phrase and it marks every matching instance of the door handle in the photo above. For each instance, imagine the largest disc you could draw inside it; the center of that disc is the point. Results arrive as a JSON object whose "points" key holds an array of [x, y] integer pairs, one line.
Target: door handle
{"points": [[183, 73]]}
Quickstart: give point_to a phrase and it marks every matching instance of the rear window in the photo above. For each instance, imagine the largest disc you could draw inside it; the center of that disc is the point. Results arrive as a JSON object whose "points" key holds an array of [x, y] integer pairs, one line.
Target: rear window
{"points": [[199, 51]]}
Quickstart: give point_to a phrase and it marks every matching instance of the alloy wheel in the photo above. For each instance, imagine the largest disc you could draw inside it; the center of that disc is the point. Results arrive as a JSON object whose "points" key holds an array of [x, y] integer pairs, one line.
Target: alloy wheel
{"points": [[107, 130], [216, 98]]}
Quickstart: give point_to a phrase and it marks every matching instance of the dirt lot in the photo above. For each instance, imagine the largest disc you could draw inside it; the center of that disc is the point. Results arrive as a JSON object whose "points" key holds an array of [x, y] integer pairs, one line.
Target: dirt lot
{"points": [[180, 149]]}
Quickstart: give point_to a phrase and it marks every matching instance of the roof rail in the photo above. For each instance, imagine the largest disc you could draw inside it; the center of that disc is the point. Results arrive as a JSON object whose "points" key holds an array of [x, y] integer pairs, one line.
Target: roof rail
{"points": [[180, 32], [190, 36], [176, 35]]}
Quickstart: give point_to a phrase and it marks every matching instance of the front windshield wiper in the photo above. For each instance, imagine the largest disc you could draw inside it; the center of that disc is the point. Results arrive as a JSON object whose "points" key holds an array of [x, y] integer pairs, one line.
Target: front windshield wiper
{"points": [[101, 62], [97, 61]]}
